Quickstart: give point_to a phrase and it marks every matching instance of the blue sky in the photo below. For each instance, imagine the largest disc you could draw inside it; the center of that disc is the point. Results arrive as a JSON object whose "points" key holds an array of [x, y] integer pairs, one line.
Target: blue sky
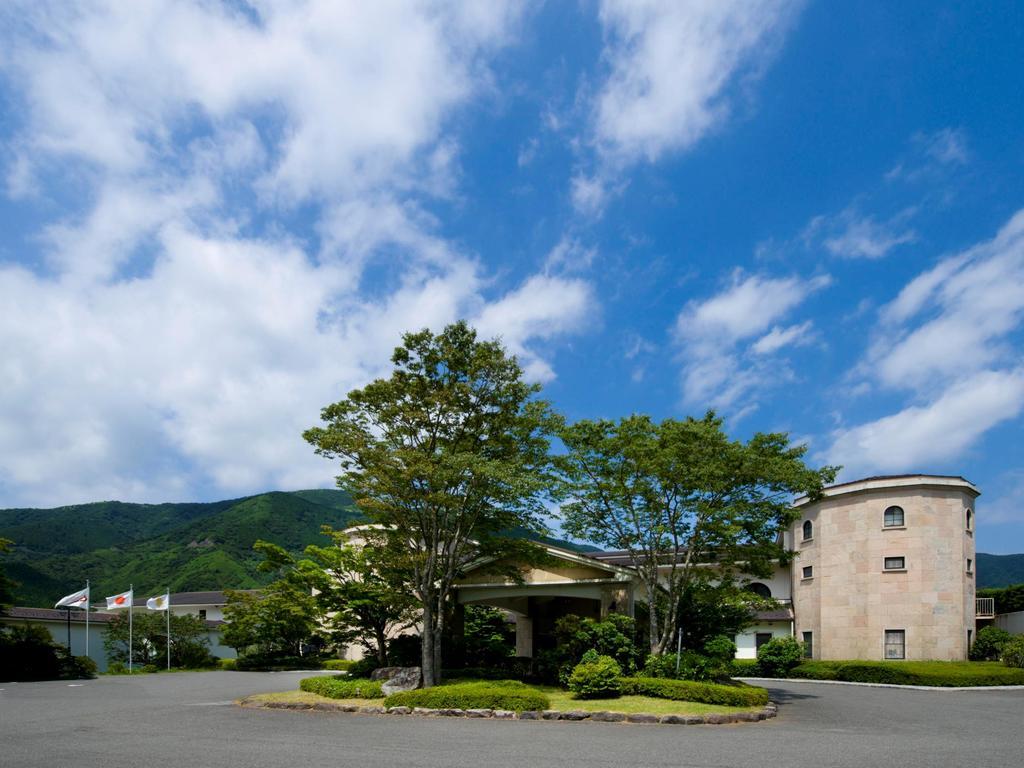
{"points": [[217, 218]]}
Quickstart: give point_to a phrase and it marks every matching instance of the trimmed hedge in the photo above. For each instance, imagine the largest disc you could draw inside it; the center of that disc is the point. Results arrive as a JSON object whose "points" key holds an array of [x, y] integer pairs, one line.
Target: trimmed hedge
{"points": [[339, 665], [342, 687], [499, 694], [738, 695], [596, 677], [745, 668], [951, 674]]}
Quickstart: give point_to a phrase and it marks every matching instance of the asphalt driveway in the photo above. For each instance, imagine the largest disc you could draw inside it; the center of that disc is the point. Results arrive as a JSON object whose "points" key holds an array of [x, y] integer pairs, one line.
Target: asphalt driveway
{"points": [[184, 720]]}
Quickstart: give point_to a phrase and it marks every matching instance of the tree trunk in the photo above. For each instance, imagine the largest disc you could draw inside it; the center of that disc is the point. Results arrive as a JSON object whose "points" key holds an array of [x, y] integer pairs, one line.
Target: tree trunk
{"points": [[382, 646], [427, 637], [652, 610]]}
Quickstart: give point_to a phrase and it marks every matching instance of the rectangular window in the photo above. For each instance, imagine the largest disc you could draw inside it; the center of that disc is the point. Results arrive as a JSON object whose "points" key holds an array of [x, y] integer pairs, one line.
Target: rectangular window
{"points": [[202, 615], [808, 571], [895, 644], [808, 645], [761, 638], [893, 517], [896, 564], [970, 565]]}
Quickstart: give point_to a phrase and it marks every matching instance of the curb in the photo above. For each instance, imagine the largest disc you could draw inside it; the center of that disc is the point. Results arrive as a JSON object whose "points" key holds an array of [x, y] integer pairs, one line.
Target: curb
{"points": [[769, 711], [936, 688]]}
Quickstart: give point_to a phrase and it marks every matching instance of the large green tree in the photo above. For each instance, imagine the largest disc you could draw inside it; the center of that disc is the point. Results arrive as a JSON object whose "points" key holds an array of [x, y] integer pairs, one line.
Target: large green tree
{"points": [[444, 456], [190, 643], [275, 622], [6, 585], [691, 507]]}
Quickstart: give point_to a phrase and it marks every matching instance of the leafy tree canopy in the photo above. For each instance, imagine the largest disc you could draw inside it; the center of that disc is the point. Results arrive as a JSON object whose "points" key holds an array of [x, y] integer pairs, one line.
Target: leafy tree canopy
{"points": [[679, 496], [444, 455]]}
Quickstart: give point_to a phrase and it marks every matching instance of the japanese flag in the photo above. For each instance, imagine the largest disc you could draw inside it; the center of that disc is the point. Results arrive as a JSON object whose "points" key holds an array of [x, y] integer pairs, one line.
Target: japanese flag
{"points": [[158, 603], [78, 599], [124, 600]]}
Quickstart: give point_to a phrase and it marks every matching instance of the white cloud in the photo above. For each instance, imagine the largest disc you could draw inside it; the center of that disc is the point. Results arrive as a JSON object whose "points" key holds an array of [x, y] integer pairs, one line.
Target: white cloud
{"points": [[867, 238], [589, 195], [182, 331], [671, 64], [544, 307], [949, 339], [920, 436], [956, 317], [721, 366], [931, 155], [569, 255]]}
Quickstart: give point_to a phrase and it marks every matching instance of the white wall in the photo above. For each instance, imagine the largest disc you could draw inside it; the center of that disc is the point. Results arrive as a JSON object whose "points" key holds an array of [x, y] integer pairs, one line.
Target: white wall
{"points": [[1011, 622], [746, 642]]}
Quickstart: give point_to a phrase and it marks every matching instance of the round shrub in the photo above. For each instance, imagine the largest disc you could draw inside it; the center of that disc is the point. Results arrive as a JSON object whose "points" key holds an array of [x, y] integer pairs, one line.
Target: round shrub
{"points": [[1013, 652], [988, 645], [779, 655], [150, 669], [342, 687], [499, 694], [596, 677], [228, 664]]}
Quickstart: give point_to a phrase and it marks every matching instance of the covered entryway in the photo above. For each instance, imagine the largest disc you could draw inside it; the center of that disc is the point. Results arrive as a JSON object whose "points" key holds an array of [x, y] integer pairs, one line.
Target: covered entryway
{"points": [[565, 583]]}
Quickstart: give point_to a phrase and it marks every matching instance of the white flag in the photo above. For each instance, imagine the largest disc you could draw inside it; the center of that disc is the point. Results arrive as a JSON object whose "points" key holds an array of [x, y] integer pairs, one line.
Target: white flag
{"points": [[78, 599], [124, 600], [159, 603]]}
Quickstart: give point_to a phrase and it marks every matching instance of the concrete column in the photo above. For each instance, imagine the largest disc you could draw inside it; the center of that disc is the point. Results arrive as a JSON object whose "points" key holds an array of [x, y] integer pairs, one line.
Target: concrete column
{"points": [[524, 636]]}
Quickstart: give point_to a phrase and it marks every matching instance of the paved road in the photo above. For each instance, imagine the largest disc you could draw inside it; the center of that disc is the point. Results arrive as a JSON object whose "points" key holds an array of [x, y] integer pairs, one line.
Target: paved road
{"points": [[185, 720]]}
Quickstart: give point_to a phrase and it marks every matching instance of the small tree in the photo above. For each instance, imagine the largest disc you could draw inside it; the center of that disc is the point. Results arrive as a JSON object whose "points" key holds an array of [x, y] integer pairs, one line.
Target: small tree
{"points": [[446, 456], [6, 585], [679, 496], [274, 623], [190, 644], [988, 645], [359, 592]]}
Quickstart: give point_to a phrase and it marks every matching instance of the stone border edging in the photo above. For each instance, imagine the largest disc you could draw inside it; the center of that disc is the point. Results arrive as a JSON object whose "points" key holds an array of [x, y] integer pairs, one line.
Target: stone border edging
{"points": [[770, 710], [942, 688]]}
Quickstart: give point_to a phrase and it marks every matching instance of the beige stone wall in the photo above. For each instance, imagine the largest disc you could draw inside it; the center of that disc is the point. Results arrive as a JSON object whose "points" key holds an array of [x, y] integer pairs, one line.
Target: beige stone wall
{"points": [[850, 600]]}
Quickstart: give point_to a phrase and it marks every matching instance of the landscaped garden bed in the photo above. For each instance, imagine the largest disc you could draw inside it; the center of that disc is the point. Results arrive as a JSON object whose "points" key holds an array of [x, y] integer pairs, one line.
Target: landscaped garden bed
{"points": [[514, 700], [952, 674]]}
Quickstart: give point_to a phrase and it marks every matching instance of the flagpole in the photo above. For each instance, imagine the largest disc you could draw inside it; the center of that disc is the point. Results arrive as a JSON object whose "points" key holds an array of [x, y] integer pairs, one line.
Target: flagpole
{"points": [[68, 610], [168, 629], [131, 605], [87, 597]]}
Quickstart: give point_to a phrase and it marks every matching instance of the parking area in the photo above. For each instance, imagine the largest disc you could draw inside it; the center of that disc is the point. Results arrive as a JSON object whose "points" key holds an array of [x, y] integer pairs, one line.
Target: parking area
{"points": [[187, 719]]}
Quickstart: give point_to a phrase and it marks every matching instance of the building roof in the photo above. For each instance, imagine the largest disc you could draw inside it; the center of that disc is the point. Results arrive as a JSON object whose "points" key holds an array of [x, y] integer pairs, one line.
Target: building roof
{"points": [[888, 482], [77, 616], [58, 614], [782, 613]]}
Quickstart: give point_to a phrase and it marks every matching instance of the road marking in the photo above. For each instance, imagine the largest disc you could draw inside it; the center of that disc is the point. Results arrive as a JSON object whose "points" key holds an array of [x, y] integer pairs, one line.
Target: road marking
{"points": [[75, 685]]}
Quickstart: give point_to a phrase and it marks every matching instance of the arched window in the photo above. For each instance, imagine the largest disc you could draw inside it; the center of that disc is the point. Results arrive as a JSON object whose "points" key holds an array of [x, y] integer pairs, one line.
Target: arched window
{"points": [[759, 589], [808, 530], [970, 520], [893, 517]]}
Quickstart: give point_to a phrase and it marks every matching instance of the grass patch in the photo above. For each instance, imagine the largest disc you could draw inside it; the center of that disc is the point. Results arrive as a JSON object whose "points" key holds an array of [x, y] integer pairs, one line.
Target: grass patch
{"points": [[480, 694], [304, 697], [563, 701], [949, 674]]}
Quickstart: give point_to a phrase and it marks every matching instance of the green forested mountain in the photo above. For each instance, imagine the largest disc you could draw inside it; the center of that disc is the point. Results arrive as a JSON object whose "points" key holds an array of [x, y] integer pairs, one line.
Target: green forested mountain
{"points": [[184, 547], [999, 570]]}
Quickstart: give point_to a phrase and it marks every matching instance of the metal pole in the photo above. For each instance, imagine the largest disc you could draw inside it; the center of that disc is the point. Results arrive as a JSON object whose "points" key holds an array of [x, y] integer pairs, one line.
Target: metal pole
{"points": [[131, 605], [168, 629], [679, 648], [68, 611], [88, 596]]}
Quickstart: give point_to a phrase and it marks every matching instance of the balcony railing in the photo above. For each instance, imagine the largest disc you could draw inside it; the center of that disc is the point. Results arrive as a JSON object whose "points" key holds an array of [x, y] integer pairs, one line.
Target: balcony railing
{"points": [[985, 607]]}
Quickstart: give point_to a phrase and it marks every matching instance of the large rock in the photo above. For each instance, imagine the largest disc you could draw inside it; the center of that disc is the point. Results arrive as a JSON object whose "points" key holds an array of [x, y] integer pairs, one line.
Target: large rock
{"points": [[401, 679]]}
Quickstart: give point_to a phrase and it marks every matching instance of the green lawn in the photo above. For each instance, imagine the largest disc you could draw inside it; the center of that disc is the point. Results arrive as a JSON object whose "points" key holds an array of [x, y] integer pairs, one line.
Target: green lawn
{"points": [[561, 700]]}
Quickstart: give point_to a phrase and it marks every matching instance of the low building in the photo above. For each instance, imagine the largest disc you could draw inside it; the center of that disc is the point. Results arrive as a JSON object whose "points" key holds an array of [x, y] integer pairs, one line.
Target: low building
{"points": [[883, 568]]}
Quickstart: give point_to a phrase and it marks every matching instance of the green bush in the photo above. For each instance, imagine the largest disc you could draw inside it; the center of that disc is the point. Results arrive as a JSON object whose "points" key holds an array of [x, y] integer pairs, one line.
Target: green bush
{"points": [[502, 694], [78, 668], [950, 674], [363, 667], [262, 663], [117, 668], [339, 665], [596, 677], [714, 663], [342, 687], [737, 695], [150, 668], [988, 645], [744, 668], [228, 664], [1013, 652], [779, 655], [29, 653]]}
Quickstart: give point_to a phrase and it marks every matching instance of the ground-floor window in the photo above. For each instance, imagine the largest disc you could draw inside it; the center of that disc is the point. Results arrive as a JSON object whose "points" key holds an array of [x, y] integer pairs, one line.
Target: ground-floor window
{"points": [[895, 644], [808, 645], [761, 638]]}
